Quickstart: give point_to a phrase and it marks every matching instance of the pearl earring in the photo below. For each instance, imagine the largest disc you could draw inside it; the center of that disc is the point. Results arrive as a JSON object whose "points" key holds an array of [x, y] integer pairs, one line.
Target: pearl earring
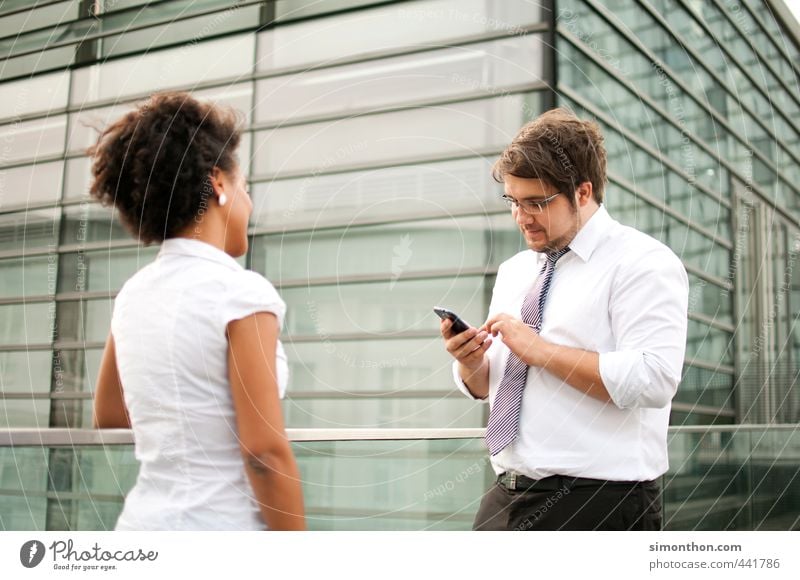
{"points": [[222, 200]]}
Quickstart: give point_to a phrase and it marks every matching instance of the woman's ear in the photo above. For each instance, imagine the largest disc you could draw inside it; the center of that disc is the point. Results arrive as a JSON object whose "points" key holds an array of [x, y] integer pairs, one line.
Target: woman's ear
{"points": [[217, 179]]}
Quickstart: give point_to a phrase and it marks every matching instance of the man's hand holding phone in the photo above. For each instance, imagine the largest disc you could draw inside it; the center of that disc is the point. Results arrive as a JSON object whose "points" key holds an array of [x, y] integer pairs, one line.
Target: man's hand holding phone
{"points": [[468, 347]]}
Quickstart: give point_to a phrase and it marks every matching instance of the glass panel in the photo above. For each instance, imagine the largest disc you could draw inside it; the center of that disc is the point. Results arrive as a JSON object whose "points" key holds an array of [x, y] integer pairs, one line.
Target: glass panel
{"points": [[708, 483], [76, 369], [26, 323], [717, 480], [25, 371], [393, 28], [709, 299], [191, 64], [409, 485], [24, 413], [383, 412], [43, 17], [90, 222], [23, 480], [180, 26], [86, 124], [381, 307], [34, 95], [31, 64], [390, 249], [28, 276], [33, 139], [294, 9], [690, 245], [102, 270], [78, 175], [84, 320], [355, 368], [30, 184], [391, 192], [457, 129], [28, 230], [710, 345], [706, 387], [491, 67]]}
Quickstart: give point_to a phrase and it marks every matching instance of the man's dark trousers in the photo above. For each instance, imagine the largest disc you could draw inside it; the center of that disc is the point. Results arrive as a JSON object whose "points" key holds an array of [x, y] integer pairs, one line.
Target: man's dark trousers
{"points": [[568, 503]]}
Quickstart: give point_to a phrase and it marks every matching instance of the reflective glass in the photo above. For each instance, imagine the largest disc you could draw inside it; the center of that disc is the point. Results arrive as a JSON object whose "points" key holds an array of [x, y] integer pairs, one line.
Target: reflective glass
{"points": [[382, 193], [458, 129], [102, 270], [25, 371], [28, 230], [22, 324], [31, 276], [393, 28], [483, 68], [33, 139], [381, 307], [390, 249], [30, 184]]}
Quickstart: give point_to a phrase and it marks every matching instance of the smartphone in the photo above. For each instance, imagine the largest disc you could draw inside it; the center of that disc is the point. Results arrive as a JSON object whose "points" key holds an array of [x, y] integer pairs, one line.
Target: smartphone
{"points": [[459, 325]]}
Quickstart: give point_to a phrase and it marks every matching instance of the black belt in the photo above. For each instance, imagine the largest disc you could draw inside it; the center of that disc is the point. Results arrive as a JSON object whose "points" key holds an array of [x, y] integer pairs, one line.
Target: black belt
{"points": [[516, 481]]}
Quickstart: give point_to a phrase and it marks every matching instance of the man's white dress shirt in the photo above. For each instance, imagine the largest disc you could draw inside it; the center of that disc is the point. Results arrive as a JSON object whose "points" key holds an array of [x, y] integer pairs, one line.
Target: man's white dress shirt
{"points": [[169, 327], [624, 295]]}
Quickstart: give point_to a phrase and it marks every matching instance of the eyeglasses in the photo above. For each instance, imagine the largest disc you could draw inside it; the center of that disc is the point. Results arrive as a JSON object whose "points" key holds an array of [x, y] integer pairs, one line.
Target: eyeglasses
{"points": [[530, 206]]}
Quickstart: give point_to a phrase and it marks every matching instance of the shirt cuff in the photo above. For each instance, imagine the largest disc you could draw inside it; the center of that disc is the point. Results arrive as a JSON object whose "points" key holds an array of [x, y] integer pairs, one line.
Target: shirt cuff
{"points": [[463, 387], [624, 376]]}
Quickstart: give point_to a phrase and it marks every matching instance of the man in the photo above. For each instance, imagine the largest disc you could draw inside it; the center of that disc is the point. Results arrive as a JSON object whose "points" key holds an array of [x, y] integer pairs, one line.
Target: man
{"points": [[583, 348]]}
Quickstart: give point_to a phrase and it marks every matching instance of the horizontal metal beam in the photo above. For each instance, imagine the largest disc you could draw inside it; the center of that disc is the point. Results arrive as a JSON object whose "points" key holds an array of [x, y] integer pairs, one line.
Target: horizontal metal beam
{"points": [[89, 437]]}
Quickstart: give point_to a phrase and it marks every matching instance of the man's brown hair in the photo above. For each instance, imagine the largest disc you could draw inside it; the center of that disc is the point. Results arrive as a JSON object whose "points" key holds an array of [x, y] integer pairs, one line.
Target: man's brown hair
{"points": [[560, 149]]}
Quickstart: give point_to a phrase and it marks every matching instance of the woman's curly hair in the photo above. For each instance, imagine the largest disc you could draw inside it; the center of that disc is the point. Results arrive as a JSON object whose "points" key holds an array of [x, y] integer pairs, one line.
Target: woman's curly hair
{"points": [[154, 163]]}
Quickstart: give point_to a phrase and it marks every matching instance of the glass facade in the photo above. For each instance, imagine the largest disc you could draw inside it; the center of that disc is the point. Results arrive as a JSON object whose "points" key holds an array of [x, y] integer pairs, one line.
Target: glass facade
{"points": [[370, 130]]}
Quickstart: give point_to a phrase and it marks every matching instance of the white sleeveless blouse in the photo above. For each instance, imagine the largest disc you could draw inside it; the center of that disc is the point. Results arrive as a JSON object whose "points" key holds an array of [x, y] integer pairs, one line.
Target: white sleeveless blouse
{"points": [[169, 325]]}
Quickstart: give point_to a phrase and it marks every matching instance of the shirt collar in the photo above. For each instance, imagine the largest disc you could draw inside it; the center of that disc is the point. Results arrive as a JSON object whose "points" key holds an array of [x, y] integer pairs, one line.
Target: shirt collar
{"points": [[197, 249], [591, 234]]}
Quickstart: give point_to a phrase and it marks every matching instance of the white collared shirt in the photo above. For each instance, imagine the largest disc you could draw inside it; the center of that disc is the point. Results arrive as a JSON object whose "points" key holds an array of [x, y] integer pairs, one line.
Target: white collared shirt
{"points": [[620, 293], [169, 327]]}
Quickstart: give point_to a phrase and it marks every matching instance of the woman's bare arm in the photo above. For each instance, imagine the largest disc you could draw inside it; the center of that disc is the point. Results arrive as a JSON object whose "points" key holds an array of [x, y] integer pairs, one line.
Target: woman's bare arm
{"points": [[269, 461], [109, 404]]}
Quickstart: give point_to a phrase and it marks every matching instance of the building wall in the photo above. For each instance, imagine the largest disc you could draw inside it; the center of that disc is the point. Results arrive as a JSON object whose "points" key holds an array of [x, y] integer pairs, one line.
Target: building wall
{"points": [[701, 109], [369, 135]]}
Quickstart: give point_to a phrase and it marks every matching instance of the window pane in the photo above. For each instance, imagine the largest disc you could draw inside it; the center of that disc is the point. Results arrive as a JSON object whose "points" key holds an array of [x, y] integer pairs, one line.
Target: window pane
{"points": [[26, 323], [191, 64], [478, 68], [33, 139], [457, 129], [390, 192], [101, 270], [90, 222], [350, 368], [29, 229], [30, 184], [389, 249], [33, 95], [25, 371], [383, 412], [393, 28], [24, 413], [28, 276], [382, 307]]}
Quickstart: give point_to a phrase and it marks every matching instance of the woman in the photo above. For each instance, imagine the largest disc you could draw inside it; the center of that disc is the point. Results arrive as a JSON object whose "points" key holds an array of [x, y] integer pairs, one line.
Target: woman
{"points": [[193, 362]]}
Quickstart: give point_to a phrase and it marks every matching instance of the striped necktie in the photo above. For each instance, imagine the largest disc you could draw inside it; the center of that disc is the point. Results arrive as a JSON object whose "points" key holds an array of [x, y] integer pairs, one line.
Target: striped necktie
{"points": [[504, 415]]}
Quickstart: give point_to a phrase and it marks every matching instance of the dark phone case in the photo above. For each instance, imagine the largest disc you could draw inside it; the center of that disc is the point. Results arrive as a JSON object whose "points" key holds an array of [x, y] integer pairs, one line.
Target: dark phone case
{"points": [[459, 325]]}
